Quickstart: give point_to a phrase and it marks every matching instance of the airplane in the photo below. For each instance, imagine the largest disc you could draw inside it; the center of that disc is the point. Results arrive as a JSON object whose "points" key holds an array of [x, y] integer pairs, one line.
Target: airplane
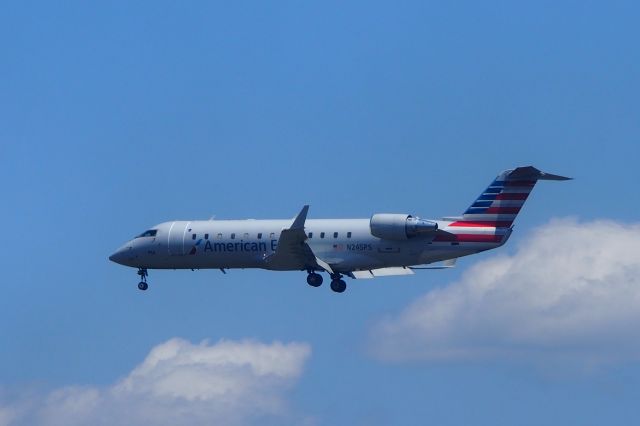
{"points": [[383, 245]]}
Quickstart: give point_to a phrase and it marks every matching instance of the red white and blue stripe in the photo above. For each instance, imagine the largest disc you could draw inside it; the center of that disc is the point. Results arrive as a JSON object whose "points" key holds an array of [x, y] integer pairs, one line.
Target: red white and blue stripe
{"points": [[490, 218], [499, 204]]}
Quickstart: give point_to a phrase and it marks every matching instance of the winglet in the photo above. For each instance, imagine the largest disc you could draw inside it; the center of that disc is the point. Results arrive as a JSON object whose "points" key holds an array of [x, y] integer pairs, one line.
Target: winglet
{"points": [[298, 222]]}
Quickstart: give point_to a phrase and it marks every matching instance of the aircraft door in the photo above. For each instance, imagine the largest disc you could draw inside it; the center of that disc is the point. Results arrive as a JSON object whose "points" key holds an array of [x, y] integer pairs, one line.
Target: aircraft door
{"points": [[177, 234]]}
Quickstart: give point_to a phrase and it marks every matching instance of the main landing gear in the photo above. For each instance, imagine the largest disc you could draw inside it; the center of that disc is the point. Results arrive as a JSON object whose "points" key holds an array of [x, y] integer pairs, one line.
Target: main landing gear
{"points": [[337, 283], [314, 279], [142, 285]]}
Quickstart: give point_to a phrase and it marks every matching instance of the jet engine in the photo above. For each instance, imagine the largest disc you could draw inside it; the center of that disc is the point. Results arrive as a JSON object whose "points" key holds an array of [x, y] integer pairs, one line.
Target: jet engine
{"points": [[390, 226]]}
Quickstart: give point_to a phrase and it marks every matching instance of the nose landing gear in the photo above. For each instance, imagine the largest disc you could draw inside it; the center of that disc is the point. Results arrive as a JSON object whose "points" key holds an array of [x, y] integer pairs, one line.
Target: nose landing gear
{"points": [[142, 285]]}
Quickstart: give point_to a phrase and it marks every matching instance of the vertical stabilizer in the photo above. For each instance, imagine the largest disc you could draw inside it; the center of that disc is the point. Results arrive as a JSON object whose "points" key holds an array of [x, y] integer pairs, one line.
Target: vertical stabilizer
{"points": [[501, 202]]}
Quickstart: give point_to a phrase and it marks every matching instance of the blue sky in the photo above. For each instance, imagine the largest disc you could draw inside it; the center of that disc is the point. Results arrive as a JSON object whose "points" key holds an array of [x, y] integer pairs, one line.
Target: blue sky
{"points": [[118, 116]]}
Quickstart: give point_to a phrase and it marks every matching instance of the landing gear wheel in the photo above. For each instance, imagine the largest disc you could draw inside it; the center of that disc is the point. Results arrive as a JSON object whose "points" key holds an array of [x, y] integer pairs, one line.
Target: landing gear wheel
{"points": [[339, 286], [314, 280], [142, 285]]}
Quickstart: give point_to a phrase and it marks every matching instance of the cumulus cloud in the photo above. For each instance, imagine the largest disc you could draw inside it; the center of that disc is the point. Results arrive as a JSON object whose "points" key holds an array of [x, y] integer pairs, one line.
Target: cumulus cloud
{"points": [[571, 292], [230, 382]]}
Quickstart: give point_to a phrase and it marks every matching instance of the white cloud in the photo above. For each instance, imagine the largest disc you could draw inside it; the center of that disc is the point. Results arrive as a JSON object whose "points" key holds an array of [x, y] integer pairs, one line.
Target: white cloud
{"points": [[230, 382], [570, 293], [7, 415]]}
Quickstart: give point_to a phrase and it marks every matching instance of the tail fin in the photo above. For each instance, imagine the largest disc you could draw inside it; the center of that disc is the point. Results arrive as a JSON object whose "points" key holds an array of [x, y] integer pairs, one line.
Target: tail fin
{"points": [[501, 202]]}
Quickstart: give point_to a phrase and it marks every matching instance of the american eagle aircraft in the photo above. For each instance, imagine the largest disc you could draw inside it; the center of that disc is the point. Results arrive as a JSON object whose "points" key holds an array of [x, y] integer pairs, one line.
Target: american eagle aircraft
{"points": [[385, 244]]}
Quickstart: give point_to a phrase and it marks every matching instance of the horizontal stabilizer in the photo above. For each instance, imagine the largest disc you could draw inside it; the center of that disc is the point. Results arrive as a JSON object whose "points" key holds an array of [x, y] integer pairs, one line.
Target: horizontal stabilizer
{"points": [[530, 172]]}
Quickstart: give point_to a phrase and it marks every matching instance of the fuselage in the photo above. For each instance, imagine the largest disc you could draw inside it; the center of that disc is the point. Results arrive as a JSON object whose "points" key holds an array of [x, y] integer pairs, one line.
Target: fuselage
{"points": [[346, 244]]}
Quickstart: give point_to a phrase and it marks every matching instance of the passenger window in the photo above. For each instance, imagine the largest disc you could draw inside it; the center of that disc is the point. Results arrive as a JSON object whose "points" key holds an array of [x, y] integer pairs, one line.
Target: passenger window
{"points": [[259, 235], [193, 236], [246, 235], [233, 236], [272, 235], [348, 234], [206, 236], [335, 235], [219, 236], [310, 234], [322, 235]]}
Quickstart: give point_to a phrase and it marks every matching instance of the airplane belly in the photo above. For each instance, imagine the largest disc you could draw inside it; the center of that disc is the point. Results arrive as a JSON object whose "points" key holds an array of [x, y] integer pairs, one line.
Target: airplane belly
{"points": [[201, 261]]}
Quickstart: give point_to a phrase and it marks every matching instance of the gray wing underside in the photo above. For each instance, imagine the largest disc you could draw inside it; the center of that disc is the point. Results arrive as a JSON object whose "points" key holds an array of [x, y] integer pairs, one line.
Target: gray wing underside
{"points": [[399, 270]]}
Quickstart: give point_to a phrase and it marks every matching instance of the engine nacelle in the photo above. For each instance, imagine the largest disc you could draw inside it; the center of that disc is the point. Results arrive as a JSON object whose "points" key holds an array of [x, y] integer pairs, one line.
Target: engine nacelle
{"points": [[391, 226]]}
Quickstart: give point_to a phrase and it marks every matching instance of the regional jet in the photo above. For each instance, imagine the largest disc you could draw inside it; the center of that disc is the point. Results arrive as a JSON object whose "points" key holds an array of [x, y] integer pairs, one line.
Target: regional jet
{"points": [[382, 245]]}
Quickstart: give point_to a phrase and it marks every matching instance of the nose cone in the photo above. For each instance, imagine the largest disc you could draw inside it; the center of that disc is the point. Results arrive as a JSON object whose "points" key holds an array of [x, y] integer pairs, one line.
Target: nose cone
{"points": [[116, 257], [125, 255]]}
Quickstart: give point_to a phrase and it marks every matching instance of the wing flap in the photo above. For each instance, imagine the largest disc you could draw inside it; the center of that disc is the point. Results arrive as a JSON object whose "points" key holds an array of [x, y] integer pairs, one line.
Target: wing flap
{"points": [[396, 270], [362, 275], [382, 272], [447, 264]]}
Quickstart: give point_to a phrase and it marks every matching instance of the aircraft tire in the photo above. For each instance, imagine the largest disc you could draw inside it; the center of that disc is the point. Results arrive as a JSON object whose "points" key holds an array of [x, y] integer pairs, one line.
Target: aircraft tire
{"points": [[339, 286], [314, 280], [143, 286]]}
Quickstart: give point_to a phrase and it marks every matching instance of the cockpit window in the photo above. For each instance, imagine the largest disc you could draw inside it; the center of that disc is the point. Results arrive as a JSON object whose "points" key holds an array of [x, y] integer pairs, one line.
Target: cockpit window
{"points": [[149, 233]]}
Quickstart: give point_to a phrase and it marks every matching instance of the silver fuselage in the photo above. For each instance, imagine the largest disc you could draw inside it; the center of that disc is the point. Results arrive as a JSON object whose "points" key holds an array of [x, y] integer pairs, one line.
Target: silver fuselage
{"points": [[346, 244]]}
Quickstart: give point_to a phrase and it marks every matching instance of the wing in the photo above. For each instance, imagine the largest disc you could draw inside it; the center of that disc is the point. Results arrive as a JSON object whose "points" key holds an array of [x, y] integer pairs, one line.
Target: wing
{"points": [[399, 270], [293, 252], [382, 272], [447, 264]]}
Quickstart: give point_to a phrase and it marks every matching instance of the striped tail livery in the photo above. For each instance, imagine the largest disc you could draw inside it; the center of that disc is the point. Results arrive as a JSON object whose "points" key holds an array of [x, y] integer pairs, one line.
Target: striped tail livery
{"points": [[500, 203]]}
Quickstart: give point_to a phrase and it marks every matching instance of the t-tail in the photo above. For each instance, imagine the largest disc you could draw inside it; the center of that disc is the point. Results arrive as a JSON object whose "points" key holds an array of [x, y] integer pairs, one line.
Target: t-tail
{"points": [[500, 203]]}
